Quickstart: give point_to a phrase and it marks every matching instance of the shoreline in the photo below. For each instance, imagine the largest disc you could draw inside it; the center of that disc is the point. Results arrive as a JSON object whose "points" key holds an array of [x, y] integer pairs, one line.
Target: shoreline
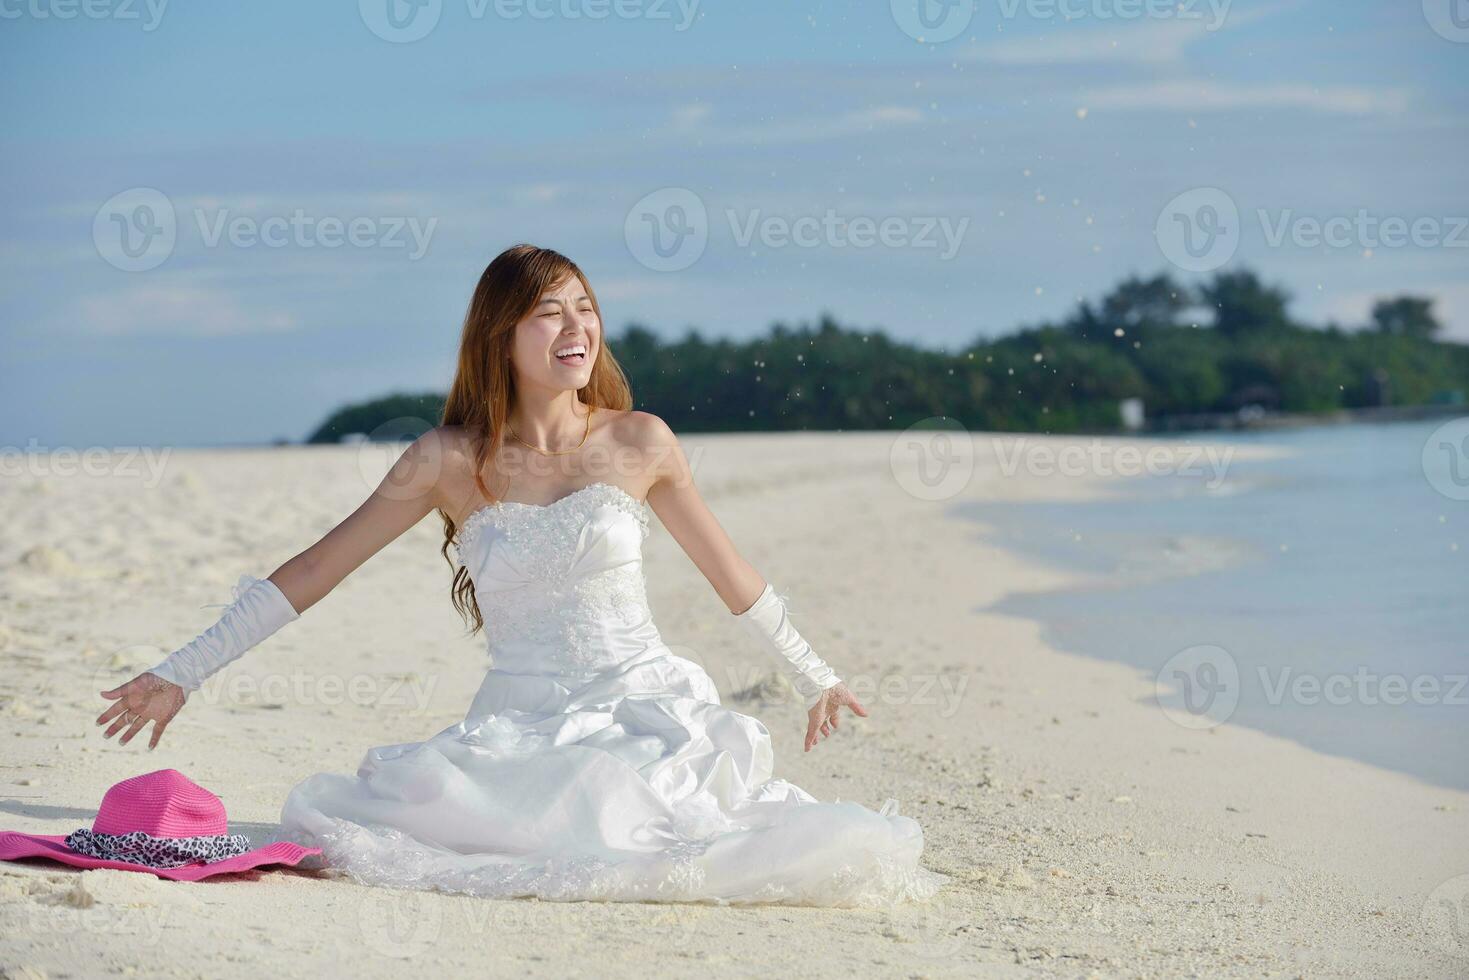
{"points": [[1272, 421], [1161, 564]]}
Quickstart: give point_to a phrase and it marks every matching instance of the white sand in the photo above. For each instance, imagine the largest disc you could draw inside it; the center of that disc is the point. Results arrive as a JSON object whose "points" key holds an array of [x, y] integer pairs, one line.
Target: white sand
{"points": [[1087, 833]]}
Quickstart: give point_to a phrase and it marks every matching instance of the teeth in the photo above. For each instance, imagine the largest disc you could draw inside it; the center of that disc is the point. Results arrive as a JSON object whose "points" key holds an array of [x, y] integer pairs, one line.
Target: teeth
{"points": [[567, 351]]}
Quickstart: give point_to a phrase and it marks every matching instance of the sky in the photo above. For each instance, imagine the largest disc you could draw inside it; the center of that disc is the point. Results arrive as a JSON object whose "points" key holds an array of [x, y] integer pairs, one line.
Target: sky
{"points": [[223, 221]]}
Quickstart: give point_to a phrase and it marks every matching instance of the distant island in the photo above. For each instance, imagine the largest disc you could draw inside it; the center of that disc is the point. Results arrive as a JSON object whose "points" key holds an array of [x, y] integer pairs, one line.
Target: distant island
{"points": [[1152, 354]]}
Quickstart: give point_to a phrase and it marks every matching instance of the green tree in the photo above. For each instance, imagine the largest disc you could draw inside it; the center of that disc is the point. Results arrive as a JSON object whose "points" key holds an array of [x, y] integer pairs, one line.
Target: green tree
{"points": [[1406, 316], [1243, 305]]}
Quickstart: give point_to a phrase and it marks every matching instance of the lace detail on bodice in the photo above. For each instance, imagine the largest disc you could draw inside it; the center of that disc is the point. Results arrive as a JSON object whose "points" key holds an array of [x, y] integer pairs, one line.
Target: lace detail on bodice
{"points": [[562, 581], [577, 502]]}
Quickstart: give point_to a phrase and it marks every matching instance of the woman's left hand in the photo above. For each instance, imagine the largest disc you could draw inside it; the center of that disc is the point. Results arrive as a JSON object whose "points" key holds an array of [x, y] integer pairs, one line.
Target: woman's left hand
{"points": [[824, 716]]}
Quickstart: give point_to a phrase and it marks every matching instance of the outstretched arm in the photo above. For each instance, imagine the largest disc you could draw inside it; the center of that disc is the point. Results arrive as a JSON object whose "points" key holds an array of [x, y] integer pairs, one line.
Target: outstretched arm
{"points": [[676, 500], [409, 491]]}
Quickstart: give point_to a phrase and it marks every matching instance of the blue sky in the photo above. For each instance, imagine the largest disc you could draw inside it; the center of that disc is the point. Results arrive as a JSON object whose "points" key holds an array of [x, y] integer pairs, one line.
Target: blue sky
{"points": [[1051, 152]]}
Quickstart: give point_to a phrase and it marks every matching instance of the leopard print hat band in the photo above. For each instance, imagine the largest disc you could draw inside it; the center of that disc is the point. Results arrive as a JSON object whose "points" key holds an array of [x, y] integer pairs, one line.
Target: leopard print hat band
{"points": [[157, 852]]}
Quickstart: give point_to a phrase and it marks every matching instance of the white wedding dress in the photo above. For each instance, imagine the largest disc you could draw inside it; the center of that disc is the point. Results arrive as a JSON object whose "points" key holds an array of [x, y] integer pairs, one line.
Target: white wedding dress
{"points": [[594, 764]]}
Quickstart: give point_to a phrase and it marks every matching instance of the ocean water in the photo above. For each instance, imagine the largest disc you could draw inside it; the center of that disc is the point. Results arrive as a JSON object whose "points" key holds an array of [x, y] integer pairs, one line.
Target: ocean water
{"points": [[1322, 596]]}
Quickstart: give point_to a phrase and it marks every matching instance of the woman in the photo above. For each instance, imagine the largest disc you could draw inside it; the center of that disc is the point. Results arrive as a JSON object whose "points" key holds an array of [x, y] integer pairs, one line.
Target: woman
{"points": [[593, 763]]}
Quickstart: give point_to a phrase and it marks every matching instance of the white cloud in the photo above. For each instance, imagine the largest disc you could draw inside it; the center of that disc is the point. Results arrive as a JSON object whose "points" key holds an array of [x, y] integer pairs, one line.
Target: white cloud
{"points": [[687, 116], [1145, 44], [1450, 306], [177, 309], [1142, 42], [1185, 96], [537, 193], [856, 121]]}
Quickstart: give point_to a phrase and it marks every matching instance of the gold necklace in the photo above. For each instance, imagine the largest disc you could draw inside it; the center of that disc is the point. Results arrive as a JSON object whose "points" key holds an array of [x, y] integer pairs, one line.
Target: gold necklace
{"points": [[555, 452]]}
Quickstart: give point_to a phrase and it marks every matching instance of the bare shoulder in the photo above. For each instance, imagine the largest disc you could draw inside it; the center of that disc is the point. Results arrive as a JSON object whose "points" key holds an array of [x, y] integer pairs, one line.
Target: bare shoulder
{"points": [[645, 442], [445, 455], [643, 431], [450, 442]]}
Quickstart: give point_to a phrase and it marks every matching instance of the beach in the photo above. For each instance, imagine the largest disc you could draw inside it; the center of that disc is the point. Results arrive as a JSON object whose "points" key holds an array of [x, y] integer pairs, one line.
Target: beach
{"points": [[1087, 832]]}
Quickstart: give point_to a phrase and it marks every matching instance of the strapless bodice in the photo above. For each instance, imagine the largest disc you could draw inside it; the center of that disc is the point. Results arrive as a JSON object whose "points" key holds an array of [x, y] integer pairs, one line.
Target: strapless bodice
{"points": [[560, 585]]}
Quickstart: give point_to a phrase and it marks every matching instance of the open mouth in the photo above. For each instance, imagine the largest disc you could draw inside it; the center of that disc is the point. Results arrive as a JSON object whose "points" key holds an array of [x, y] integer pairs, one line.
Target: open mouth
{"points": [[575, 354]]}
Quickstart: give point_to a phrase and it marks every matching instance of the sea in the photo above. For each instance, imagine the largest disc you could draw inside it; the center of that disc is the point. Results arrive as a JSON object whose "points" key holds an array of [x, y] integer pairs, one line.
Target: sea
{"points": [[1320, 594]]}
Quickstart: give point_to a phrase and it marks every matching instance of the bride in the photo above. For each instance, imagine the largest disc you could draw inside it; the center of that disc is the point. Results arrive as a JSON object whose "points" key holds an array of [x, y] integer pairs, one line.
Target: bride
{"points": [[593, 763]]}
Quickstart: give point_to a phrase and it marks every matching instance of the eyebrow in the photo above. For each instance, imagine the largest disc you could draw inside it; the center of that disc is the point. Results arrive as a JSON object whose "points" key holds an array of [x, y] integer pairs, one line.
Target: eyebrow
{"points": [[552, 299]]}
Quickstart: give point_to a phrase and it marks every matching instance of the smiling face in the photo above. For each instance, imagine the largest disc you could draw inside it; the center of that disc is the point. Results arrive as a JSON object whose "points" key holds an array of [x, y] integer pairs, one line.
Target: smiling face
{"points": [[565, 323]]}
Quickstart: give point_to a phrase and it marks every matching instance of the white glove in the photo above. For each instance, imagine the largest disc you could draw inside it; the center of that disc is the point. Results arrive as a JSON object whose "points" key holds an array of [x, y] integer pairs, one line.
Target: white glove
{"points": [[767, 621], [258, 611]]}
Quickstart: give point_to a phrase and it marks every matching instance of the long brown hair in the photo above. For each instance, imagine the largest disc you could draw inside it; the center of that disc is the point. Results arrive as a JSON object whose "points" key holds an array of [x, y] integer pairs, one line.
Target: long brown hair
{"points": [[479, 400]]}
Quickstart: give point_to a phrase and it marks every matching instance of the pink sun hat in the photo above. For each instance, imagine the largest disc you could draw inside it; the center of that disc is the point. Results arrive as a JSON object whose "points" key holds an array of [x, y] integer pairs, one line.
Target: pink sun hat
{"points": [[161, 822]]}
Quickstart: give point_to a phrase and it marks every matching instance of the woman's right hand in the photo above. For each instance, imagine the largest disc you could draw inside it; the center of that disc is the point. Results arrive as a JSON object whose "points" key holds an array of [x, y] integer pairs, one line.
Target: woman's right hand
{"points": [[145, 698]]}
